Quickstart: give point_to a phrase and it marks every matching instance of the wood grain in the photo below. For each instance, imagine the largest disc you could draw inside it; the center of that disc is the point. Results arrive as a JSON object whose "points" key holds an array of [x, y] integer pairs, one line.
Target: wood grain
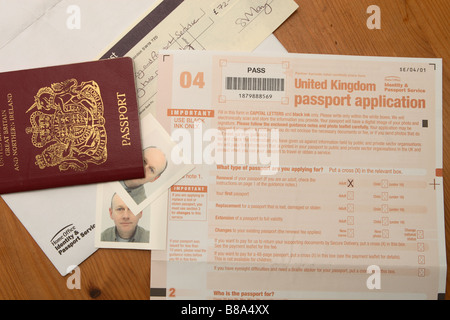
{"points": [[26, 273], [409, 28]]}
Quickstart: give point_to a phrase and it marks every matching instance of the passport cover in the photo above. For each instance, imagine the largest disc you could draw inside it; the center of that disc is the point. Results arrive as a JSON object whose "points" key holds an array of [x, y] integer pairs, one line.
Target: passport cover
{"points": [[68, 125]]}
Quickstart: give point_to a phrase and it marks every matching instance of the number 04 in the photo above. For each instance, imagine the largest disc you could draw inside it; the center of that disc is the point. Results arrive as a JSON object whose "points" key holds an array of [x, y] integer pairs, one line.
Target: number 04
{"points": [[186, 80]]}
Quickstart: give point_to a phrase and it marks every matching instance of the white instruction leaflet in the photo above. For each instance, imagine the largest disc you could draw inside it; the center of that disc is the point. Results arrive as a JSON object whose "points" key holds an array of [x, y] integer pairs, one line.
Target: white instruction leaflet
{"points": [[316, 177]]}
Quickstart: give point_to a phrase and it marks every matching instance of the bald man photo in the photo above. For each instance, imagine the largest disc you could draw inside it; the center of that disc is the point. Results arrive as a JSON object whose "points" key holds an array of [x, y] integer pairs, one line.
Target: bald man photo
{"points": [[155, 163]]}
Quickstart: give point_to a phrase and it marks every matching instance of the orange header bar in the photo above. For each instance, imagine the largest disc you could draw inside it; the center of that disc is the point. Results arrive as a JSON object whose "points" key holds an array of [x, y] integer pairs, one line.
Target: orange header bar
{"points": [[189, 189], [190, 113]]}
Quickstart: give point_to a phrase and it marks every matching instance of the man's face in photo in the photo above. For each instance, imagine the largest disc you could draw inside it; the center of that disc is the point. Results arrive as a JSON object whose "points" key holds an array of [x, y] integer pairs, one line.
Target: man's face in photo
{"points": [[124, 219], [154, 165]]}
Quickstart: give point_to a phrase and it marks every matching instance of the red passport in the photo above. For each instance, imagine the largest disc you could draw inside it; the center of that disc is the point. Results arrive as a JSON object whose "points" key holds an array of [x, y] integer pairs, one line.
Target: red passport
{"points": [[69, 125]]}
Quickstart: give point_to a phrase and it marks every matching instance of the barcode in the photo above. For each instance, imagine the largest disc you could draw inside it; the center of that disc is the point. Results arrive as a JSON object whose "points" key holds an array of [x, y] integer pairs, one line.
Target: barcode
{"points": [[254, 84]]}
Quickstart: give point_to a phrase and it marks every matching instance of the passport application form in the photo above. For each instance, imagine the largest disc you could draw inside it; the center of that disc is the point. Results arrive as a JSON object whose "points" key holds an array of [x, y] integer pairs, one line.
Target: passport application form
{"points": [[344, 198]]}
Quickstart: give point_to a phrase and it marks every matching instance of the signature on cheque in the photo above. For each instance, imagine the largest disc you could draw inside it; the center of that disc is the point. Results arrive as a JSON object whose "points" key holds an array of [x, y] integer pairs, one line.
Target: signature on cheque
{"points": [[253, 12]]}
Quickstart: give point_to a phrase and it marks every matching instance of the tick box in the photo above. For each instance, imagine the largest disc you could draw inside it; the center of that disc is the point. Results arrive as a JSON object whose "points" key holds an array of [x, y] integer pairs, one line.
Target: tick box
{"points": [[420, 234], [350, 233], [421, 272], [350, 220], [421, 259], [420, 247], [350, 195]]}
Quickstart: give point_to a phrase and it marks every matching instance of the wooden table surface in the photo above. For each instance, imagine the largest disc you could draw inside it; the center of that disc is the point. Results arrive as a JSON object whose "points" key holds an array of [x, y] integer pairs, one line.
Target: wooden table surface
{"points": [[409, 28]]}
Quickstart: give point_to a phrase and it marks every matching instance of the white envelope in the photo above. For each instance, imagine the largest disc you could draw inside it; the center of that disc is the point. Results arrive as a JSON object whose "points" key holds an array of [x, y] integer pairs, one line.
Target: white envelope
{"points": [[62, 220], [27, 11], [38, 34]]}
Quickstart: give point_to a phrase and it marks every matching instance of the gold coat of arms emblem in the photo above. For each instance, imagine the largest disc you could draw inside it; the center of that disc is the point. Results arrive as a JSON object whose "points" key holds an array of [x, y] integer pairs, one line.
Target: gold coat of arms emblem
{"points": [[68, 124]]}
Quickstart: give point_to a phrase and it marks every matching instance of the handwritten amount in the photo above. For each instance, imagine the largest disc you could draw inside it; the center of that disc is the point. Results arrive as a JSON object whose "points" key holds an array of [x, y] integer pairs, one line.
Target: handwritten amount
{"points": [[253, 12], [221, 7]]}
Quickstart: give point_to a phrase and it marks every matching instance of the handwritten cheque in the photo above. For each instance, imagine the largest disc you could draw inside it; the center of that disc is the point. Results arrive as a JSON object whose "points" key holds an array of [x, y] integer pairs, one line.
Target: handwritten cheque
{"points": [[196, 25]]}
